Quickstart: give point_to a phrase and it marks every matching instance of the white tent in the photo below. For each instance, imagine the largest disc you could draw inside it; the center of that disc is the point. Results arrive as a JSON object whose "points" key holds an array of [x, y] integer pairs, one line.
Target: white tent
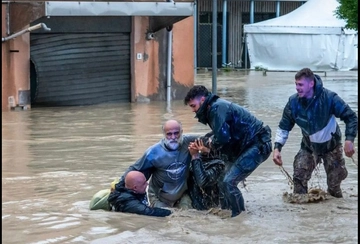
{"points": [[310, 36]]}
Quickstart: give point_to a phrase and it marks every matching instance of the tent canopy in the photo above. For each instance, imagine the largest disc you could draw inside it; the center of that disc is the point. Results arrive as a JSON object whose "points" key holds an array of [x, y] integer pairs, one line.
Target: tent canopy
{"points": [[310, 36], [313, 17]]}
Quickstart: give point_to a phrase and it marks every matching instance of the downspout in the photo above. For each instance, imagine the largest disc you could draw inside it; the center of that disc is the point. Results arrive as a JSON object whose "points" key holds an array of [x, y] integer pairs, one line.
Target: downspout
{"points": [[168, 76], [8, 19], [224, 63], [169, 52], [32, 28]]}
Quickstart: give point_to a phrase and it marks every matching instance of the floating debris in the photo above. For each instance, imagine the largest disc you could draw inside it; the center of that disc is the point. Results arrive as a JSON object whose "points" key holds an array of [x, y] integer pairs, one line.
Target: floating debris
{"points": [[222, 213], [314, 195]]}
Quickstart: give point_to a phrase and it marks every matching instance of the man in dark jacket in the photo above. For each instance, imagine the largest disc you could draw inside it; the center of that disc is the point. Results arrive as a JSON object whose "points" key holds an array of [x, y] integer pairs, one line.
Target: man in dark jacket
{"points": [[315, 109], [206, 172], [166, 166], [132, 197], [237, 134]]}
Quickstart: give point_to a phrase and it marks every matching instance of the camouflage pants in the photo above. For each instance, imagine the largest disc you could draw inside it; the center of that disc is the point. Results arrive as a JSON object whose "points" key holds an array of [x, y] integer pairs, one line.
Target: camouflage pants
{"points": [[334, 164]]}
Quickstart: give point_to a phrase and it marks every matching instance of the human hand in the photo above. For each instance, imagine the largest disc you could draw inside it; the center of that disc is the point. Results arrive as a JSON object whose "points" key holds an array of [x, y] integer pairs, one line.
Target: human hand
{"points": [[200, 146], [349, 148], [277, 157], [193, 149]]}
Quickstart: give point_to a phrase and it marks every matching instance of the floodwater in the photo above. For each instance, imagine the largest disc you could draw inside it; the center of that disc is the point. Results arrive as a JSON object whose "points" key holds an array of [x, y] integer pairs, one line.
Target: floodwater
{"points": [[55, 159]]}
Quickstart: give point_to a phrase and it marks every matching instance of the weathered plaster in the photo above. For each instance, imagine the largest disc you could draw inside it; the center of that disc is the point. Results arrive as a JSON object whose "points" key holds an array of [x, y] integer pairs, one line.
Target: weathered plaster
{"points": [[183, 54], [146, 70], [15, 65]]}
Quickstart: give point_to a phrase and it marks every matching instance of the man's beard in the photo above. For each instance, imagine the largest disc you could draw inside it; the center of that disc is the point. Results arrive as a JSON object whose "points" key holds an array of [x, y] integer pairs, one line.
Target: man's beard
{"points": [[173, 144]]}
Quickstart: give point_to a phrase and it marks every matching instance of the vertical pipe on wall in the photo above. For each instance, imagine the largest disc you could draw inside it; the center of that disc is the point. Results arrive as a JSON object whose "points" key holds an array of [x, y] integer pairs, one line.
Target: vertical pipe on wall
{"points": [[168, 75], [195, 36], [214, 46], [277, 8], [8, 19], [224, 28], [169, 62]]}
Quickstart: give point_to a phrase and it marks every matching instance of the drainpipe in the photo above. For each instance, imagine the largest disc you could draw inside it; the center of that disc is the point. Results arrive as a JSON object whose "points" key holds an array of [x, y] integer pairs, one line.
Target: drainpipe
{"points": [[169, 51], [32, 28], [8, 18], [224, 63], [168, 76]]}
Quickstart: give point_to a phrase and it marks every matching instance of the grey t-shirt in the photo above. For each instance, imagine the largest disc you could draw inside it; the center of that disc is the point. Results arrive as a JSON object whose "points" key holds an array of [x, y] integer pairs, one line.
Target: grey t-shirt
{"points": [[167, 168]]}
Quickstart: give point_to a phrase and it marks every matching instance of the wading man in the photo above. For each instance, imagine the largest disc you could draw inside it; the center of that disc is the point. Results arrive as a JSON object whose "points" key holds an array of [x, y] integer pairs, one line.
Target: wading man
{"points": [[238, 134], [166, 166], [315, 109]]}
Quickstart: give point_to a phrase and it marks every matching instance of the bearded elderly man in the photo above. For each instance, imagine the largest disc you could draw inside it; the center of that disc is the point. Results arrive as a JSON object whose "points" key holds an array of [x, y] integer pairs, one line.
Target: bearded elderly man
{"points": [[167, 163]]}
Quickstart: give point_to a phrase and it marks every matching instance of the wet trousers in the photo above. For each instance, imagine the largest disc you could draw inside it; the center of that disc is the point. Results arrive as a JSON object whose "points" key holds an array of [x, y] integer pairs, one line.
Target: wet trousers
{"points": [[334, 165], [242, 167]]}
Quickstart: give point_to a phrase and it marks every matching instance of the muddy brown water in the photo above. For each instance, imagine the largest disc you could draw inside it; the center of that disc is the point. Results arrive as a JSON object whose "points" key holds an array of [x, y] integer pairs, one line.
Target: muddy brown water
{"points": [[55, 159]]}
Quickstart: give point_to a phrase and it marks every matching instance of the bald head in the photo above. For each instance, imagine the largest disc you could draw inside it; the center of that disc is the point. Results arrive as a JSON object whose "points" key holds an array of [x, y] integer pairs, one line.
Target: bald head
{"points": [[136, 181], [172, 124]]}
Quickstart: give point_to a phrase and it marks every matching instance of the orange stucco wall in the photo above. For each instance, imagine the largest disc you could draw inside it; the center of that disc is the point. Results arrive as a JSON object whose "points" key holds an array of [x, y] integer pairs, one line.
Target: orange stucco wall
{"points": [[15, 64], [146, 69], [183, 52], [148, 76]]}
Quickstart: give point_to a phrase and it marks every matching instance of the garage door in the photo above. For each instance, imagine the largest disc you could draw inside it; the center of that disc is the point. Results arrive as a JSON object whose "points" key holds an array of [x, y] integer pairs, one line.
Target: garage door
{"points": [[80, 69]]}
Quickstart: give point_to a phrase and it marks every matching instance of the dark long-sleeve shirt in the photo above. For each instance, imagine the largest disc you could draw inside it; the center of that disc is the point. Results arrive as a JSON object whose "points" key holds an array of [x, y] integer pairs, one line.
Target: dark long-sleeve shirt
{"points": [[125, 200]]}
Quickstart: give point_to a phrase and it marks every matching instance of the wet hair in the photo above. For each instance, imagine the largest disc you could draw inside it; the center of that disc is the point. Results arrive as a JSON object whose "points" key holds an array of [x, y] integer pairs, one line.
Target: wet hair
{"points": [[205, 138], [305, 73], [194, 92]]}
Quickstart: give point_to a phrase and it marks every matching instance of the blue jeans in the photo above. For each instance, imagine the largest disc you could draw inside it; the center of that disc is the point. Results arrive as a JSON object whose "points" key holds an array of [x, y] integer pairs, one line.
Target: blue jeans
{"points": [[242, 167]]}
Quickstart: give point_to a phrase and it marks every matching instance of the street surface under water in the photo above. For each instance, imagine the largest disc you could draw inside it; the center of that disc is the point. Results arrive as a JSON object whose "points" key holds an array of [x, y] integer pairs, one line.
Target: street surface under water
{"points": [[55, 159]]}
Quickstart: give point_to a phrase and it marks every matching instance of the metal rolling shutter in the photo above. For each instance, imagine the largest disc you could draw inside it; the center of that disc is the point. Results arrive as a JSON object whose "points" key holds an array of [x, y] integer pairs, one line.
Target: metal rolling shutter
{"points": [[81, 68]]}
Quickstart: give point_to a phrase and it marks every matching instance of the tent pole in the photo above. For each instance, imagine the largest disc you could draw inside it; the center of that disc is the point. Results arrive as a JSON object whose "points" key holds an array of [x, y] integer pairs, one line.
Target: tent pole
{"points": [[246, 52]]}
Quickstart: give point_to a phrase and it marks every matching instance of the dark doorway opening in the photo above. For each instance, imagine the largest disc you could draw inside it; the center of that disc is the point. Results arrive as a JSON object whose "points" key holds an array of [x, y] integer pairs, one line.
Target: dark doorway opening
{"points": [[33, 82]]}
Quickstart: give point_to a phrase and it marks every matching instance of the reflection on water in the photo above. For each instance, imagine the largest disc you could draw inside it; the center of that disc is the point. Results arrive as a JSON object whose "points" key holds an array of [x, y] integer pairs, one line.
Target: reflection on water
{"points": [[55, 159]]}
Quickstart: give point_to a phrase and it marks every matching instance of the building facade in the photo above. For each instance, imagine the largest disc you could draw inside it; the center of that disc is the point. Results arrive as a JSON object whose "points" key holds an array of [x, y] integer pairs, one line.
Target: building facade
{"points": [[108, 52]]}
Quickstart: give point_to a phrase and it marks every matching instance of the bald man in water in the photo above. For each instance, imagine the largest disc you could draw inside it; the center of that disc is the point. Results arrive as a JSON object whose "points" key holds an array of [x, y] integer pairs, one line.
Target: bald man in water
{"points": [[166, 166], [131, 198]]}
